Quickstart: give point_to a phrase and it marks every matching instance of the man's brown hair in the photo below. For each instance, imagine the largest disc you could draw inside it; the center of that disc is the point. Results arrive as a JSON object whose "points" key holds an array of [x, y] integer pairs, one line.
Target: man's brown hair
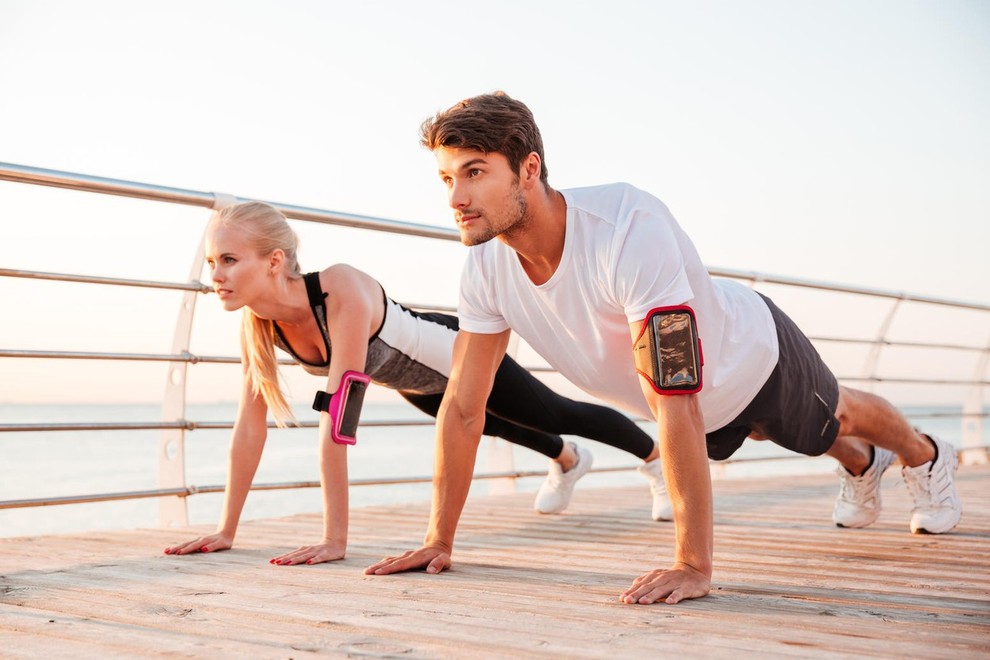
{"points": [[492, 123]]}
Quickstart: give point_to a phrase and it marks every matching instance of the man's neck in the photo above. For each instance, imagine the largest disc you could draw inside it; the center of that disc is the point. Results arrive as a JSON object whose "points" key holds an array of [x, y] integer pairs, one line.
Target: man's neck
{"points": [[539, 241]]}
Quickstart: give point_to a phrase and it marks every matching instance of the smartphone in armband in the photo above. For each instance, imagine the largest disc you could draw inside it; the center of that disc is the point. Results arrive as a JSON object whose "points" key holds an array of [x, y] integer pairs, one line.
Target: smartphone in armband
{"points": [[668, 351], [344, 406]]}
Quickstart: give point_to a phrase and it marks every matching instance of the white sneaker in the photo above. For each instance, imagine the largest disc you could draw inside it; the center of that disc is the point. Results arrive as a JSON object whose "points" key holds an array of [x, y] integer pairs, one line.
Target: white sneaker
{"points": [[662, 509], [555, 493], [937, 507], [858, 503]]}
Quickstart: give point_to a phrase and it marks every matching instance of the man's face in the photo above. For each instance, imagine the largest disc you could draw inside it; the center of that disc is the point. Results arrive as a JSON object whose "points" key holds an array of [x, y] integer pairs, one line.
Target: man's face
{"points": [[484, 193]]}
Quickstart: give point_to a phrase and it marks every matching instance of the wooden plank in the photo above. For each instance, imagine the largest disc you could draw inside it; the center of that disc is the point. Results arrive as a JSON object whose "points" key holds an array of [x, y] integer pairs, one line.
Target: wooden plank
{"points": [[787, 583]]}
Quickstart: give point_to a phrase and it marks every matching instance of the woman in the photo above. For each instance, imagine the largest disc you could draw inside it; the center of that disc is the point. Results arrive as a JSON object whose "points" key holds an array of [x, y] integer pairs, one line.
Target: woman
{"points": [[340, 320]]}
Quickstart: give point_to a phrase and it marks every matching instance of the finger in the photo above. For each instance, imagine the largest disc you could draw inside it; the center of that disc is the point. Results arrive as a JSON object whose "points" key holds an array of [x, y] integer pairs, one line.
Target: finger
{"points": [[294, 557], [438, 564], [212, 545], [399, 564], [388, 561], [389, 566], [645, 594], [186, 548]]}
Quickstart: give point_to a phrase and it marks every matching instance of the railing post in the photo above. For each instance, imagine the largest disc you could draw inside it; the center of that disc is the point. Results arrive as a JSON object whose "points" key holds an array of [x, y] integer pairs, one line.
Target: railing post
{"points": [[973, 451], [172, 446], [873, 357]]}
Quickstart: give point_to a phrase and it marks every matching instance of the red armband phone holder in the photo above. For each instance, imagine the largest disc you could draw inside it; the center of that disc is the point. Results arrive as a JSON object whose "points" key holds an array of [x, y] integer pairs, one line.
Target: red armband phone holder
{"points": [[667, 351], [344, 406]]}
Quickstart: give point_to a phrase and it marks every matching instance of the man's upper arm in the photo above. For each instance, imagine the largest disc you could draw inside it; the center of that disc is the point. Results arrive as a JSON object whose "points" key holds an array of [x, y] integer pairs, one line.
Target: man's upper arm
{"points": [[652, 398]]}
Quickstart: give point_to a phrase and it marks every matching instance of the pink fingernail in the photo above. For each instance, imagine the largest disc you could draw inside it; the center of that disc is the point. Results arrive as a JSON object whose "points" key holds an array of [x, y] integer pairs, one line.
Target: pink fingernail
{"points": [[204, 549]]}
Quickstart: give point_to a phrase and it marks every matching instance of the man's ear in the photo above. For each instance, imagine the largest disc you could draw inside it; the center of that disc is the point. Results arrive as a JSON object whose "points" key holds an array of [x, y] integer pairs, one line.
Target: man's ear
{"points": [[530, 169]]}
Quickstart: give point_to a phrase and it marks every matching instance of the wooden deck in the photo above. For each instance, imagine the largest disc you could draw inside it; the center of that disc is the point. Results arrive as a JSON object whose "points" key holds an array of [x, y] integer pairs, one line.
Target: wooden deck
{"points": [[787, 583]]}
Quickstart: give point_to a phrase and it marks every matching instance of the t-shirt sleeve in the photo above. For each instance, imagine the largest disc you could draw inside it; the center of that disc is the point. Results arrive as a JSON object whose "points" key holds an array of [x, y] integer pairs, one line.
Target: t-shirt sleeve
{"points": [[649, 269], [477, 309]]}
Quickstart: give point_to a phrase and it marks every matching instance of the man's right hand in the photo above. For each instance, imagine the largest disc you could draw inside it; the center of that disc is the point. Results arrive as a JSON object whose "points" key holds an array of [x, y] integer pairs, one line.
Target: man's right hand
{"points": [[433, 559]]}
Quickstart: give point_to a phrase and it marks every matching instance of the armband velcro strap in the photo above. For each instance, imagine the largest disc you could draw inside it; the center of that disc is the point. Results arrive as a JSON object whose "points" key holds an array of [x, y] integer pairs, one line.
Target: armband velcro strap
{"points": [[344, 406], [321, 403], [667, 351]]}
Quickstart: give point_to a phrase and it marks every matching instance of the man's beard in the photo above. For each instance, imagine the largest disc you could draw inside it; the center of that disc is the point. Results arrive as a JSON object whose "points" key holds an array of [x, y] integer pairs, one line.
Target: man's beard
{"points": [[512, 218]]}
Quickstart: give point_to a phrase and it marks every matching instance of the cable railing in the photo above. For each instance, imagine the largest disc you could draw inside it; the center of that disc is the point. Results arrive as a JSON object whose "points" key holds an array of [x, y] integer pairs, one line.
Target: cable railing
{"points": [[173, 489]]}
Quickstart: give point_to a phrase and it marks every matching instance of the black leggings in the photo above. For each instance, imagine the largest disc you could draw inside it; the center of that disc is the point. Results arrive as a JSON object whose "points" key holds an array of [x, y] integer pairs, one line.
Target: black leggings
{"points": [[526, 412]]}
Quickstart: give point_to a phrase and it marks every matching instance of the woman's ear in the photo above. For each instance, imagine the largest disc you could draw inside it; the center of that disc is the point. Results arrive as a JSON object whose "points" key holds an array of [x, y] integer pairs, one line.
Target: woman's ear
{"points": [[275, 261]]}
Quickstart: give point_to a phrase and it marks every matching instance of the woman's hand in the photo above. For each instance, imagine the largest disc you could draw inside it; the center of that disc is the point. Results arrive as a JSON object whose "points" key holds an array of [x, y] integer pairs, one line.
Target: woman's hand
{"points": [[312, 554], [211, 543]]}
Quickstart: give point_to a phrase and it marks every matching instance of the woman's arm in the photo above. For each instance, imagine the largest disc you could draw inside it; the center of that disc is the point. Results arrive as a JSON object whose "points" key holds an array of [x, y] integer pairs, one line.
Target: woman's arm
{"points": [[355, 308], [246, 445]]}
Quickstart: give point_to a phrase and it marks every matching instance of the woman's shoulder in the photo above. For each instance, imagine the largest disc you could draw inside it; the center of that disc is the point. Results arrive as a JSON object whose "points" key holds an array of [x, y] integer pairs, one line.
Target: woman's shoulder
{"points": [[344, 282], [345, 274]]}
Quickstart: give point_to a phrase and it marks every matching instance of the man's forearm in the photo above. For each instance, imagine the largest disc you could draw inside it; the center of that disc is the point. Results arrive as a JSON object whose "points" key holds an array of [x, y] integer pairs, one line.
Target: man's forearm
{"points": [[453, 468], [685, 466]]}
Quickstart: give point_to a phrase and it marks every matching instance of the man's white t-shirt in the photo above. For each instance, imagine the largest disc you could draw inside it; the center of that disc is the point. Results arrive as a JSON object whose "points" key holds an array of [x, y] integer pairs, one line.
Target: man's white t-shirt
{"points": [[624, 254]]}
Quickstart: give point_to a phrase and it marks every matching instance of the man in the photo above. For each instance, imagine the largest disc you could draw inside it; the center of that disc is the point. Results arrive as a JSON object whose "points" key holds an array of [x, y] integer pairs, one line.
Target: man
{"points": [[586, 277]]}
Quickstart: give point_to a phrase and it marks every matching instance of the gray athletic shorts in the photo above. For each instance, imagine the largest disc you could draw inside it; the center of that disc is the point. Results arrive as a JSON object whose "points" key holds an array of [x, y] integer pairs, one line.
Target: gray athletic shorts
{"points": [[795, 408]]}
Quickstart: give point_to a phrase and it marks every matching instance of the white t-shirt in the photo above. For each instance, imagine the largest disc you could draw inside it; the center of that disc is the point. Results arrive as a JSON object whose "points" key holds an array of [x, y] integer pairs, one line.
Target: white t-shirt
{"points": [[624, 254]]}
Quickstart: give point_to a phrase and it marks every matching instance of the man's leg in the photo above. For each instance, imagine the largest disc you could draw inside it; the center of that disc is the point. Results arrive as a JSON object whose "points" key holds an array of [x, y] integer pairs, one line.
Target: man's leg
{"points": [[871, 433]]}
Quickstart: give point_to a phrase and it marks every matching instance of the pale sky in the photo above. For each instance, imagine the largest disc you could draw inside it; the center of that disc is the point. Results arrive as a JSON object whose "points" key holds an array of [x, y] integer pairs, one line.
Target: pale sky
{"points": [[844, 141]]}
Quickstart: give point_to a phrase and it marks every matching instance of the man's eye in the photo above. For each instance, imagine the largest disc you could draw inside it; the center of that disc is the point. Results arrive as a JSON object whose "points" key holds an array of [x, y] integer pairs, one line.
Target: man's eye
{"points": [[474, 173]]}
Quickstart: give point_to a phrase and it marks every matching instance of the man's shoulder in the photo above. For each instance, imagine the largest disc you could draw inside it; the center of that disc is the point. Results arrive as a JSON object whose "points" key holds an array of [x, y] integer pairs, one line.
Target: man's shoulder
{"points": [[611, 200], [615, 208], [602, 192]]}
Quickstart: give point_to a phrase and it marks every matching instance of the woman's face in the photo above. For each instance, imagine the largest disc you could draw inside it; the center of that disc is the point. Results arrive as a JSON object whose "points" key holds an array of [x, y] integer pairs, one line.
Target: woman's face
{"points": [[238, 272]]}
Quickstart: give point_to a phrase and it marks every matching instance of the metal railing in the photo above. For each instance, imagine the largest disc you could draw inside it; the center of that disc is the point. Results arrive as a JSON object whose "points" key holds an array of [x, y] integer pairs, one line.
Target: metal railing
{"points": [[173, 489]]}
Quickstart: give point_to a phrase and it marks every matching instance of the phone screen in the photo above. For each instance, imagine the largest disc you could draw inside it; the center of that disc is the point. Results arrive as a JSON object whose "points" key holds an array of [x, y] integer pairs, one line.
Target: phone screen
{"points": [[677, 366], [353, 399]]}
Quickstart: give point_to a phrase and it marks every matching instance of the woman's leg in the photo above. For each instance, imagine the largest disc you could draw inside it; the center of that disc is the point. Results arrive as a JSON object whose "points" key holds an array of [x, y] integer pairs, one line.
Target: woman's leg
{"points": [[548, 444], [522, 399]]}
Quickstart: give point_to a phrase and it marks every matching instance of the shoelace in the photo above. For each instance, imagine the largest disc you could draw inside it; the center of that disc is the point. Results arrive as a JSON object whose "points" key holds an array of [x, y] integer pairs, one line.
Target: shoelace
{"points": [[851, 485], [919, 488]]}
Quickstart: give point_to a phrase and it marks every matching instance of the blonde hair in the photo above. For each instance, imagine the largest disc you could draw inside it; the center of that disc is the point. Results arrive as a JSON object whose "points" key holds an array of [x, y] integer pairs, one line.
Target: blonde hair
{"points": [[266, 230]]}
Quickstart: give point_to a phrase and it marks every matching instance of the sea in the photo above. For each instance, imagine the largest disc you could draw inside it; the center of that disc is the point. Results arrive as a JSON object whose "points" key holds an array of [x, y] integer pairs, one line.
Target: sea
{"points": [[72, 463]]}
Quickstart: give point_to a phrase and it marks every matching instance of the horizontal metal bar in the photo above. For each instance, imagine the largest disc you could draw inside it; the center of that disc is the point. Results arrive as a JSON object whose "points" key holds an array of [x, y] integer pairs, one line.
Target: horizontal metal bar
{"points": [[900, 344], [913, 381], [89, 183], [387, 481], [753, 276], [85, 182], [136, 357], [187, 425], [860, 379], [93, 279], [151, 284]]}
